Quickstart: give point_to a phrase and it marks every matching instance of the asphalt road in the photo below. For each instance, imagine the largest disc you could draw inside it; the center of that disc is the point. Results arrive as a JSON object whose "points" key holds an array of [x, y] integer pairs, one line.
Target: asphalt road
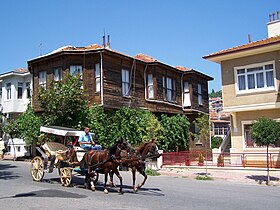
{"points": [[18, 191]]}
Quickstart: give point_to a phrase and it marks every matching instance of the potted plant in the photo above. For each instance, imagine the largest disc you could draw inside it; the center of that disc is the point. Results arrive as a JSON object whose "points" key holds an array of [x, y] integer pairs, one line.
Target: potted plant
{"points": [[200, 160], [220, 161]]}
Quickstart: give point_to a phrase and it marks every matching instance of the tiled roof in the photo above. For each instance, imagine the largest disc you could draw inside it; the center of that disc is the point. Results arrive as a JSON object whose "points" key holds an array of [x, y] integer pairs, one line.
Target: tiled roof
{"points": [[141, 56], [260, 43], [145, 58], [183, 68], [20, 70]]}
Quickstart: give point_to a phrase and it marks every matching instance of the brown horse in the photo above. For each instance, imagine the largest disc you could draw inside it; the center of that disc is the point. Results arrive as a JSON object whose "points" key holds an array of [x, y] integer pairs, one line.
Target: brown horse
{"points": [[136, 160], [106, 160]]}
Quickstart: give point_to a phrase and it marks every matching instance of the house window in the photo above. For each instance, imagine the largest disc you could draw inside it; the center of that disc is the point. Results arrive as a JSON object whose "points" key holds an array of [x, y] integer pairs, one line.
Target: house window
{"points": [[57, 74], [43, 79], [199, 92], [150, 86], [0, 91], [125, 82], [77, 70], [255, 77], [187, 100], [97, 77], [9, 91], [28, 90], [19, 90], [168, 87]]}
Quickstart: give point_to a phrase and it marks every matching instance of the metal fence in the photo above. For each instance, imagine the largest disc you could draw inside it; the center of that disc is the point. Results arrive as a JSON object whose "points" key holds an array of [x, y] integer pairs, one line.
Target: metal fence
{"points": [[224, 159]]}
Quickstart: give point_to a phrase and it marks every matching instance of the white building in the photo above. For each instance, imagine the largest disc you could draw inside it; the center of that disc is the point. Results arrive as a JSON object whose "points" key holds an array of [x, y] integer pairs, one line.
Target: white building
{"points": [[15, 95]]}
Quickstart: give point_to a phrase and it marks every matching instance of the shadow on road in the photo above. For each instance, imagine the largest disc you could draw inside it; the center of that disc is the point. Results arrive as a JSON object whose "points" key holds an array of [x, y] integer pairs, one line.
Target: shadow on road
{"points": [[5, 174], [261, 178], [78, 182], [48, 193]]}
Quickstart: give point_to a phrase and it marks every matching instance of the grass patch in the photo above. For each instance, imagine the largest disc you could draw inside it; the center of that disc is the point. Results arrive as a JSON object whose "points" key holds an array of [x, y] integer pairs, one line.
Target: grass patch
{"points": [[151, 172], [203, 177]]}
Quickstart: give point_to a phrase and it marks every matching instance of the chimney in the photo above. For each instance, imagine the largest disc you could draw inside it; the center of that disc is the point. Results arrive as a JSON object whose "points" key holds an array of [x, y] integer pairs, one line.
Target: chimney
{"points": [[273, 26], [104, 41], [108, 42]]}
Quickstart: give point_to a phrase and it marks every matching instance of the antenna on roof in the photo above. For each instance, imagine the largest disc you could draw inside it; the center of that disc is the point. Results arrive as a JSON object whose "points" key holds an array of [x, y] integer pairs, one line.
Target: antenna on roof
{"points": [[249, 38], [40, 47]]}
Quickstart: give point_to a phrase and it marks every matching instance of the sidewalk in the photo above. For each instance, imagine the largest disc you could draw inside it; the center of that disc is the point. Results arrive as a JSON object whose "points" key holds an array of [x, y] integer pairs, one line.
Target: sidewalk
{"points": [[232, 174]]}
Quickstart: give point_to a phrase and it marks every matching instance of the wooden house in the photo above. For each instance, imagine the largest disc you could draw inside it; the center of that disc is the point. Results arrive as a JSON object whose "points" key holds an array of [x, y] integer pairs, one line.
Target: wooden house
{"points": [[113, 80]]}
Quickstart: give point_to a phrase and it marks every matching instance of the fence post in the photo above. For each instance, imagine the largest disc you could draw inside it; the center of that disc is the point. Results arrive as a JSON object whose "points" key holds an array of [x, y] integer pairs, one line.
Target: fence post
{"points": [[159, 160]]}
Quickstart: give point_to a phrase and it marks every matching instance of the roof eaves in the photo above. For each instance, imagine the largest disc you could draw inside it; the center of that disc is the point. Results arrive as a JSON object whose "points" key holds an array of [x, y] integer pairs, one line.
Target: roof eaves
{"points": [[239, 48]]}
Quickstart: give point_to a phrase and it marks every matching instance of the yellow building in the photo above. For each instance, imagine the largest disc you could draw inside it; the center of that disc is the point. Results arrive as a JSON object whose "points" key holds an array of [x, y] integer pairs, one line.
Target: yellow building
{"points": [[250, 87]]}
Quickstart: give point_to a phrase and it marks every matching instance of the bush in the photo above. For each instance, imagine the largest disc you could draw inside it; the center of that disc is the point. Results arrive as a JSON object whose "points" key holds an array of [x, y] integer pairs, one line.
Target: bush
{"points": [[203, 177], [151, 172], [216, 142]]}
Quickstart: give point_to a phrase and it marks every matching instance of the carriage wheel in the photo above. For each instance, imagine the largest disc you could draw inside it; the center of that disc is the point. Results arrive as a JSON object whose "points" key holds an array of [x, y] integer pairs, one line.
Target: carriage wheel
{"points": [[37, 169], [65, 176]]}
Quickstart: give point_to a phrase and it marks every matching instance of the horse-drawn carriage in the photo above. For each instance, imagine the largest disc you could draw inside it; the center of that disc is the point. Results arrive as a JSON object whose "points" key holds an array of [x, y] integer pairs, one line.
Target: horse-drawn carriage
{"points": [[63, 154], [67, 157]]}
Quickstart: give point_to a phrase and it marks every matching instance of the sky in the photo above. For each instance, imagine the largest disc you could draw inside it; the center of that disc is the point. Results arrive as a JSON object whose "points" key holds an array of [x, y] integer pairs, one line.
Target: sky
{"points": [[175, 32]]}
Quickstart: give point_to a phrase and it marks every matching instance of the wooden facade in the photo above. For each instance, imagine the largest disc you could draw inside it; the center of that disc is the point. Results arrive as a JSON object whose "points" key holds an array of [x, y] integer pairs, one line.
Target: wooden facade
{"points": [[165, 83]]}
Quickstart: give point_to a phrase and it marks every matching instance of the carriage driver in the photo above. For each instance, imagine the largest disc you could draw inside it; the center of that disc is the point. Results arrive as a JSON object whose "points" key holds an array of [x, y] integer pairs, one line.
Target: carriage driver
{"points": [[86, 142]]}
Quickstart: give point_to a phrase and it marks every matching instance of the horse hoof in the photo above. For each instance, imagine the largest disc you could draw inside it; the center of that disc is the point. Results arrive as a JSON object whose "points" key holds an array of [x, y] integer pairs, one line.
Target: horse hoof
{"points": [[105, 191], [135, 190], [92, 188], [120, 192]]}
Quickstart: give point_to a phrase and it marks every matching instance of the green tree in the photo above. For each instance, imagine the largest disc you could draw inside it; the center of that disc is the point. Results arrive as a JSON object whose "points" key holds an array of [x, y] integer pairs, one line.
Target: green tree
{"points": [[203, 125], [214, 94], [175, 132], [216, 141], [135, 125], [64, 102], [265, 132], [97, 121], [25, 126]]}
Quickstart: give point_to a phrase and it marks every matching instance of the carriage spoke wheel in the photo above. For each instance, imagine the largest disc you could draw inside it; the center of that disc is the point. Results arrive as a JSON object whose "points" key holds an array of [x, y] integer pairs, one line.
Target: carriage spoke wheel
{"points": [[37, 169], [65, 176]]}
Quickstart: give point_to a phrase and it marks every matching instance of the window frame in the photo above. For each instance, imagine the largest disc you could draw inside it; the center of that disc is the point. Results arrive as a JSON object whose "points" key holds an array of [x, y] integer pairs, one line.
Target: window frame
{"points": [[150, 86], [97, 78], [28, 89], [9, 90], [19, 90], [199, 94], [169, 89], [57, 74], [43, 79], [249, 72], [125, 82], [78, 71], [186, 94]]}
